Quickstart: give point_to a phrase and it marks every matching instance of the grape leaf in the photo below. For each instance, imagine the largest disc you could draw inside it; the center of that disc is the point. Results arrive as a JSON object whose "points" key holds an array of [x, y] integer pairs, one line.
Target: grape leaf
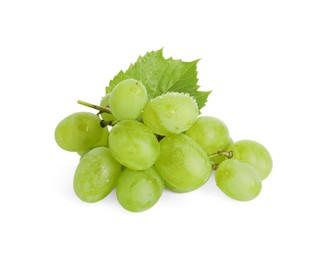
{"points": [[160, 75]]}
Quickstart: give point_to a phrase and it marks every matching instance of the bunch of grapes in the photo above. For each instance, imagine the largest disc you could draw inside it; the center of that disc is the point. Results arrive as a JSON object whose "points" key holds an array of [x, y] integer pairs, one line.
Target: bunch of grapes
{"points": [[140, 147]]}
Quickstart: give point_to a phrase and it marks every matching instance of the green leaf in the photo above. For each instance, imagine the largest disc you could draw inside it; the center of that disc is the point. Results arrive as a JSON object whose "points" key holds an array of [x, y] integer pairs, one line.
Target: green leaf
{"points": [[201, 97], [160, 75]]}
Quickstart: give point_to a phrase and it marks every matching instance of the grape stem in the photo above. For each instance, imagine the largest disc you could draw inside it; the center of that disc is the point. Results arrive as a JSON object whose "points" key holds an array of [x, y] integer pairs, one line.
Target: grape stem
{"points": [[99, 108], [214, 166], [228, 154], [105, 123]]}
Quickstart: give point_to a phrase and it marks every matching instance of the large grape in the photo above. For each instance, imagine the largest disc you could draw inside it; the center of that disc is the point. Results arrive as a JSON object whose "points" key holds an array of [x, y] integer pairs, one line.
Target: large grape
{"points": [[172, 188], [254, 154], [78, 132], [128, 99], [139, 190], [238, 180], [182, 163], [96, 175], [133, 145], [210, 133], [171, 113]]}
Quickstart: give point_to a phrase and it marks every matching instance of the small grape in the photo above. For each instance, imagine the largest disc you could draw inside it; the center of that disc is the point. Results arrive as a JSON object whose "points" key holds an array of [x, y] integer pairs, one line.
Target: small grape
{"points": [[106, 103], [96, 175], [128, 99], [182, 163], [254, 154], [238, 180], [78, 132], [133, 145], [210, 133], [103, 142], [139, 190], [171, 113]]}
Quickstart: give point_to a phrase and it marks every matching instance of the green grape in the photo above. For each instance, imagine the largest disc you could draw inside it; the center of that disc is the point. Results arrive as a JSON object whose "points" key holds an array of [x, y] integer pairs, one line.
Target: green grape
{"points": [[172, 188], [78, 132], [128, 99], [171, 113], [105, 103], [96, 175], [238, 180], [139, 190], [182, 163], [133, 145], [103, 142], [210, 133], [255, 154], [220, 158]]}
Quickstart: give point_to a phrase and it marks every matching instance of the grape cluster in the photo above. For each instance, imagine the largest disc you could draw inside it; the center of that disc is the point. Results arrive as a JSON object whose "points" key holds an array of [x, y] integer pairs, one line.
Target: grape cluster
{"points": [[140, 147]]}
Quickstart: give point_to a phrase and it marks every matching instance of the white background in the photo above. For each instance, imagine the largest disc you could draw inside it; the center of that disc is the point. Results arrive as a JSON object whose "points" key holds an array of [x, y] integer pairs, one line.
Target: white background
{"points": [[267, 63]]}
